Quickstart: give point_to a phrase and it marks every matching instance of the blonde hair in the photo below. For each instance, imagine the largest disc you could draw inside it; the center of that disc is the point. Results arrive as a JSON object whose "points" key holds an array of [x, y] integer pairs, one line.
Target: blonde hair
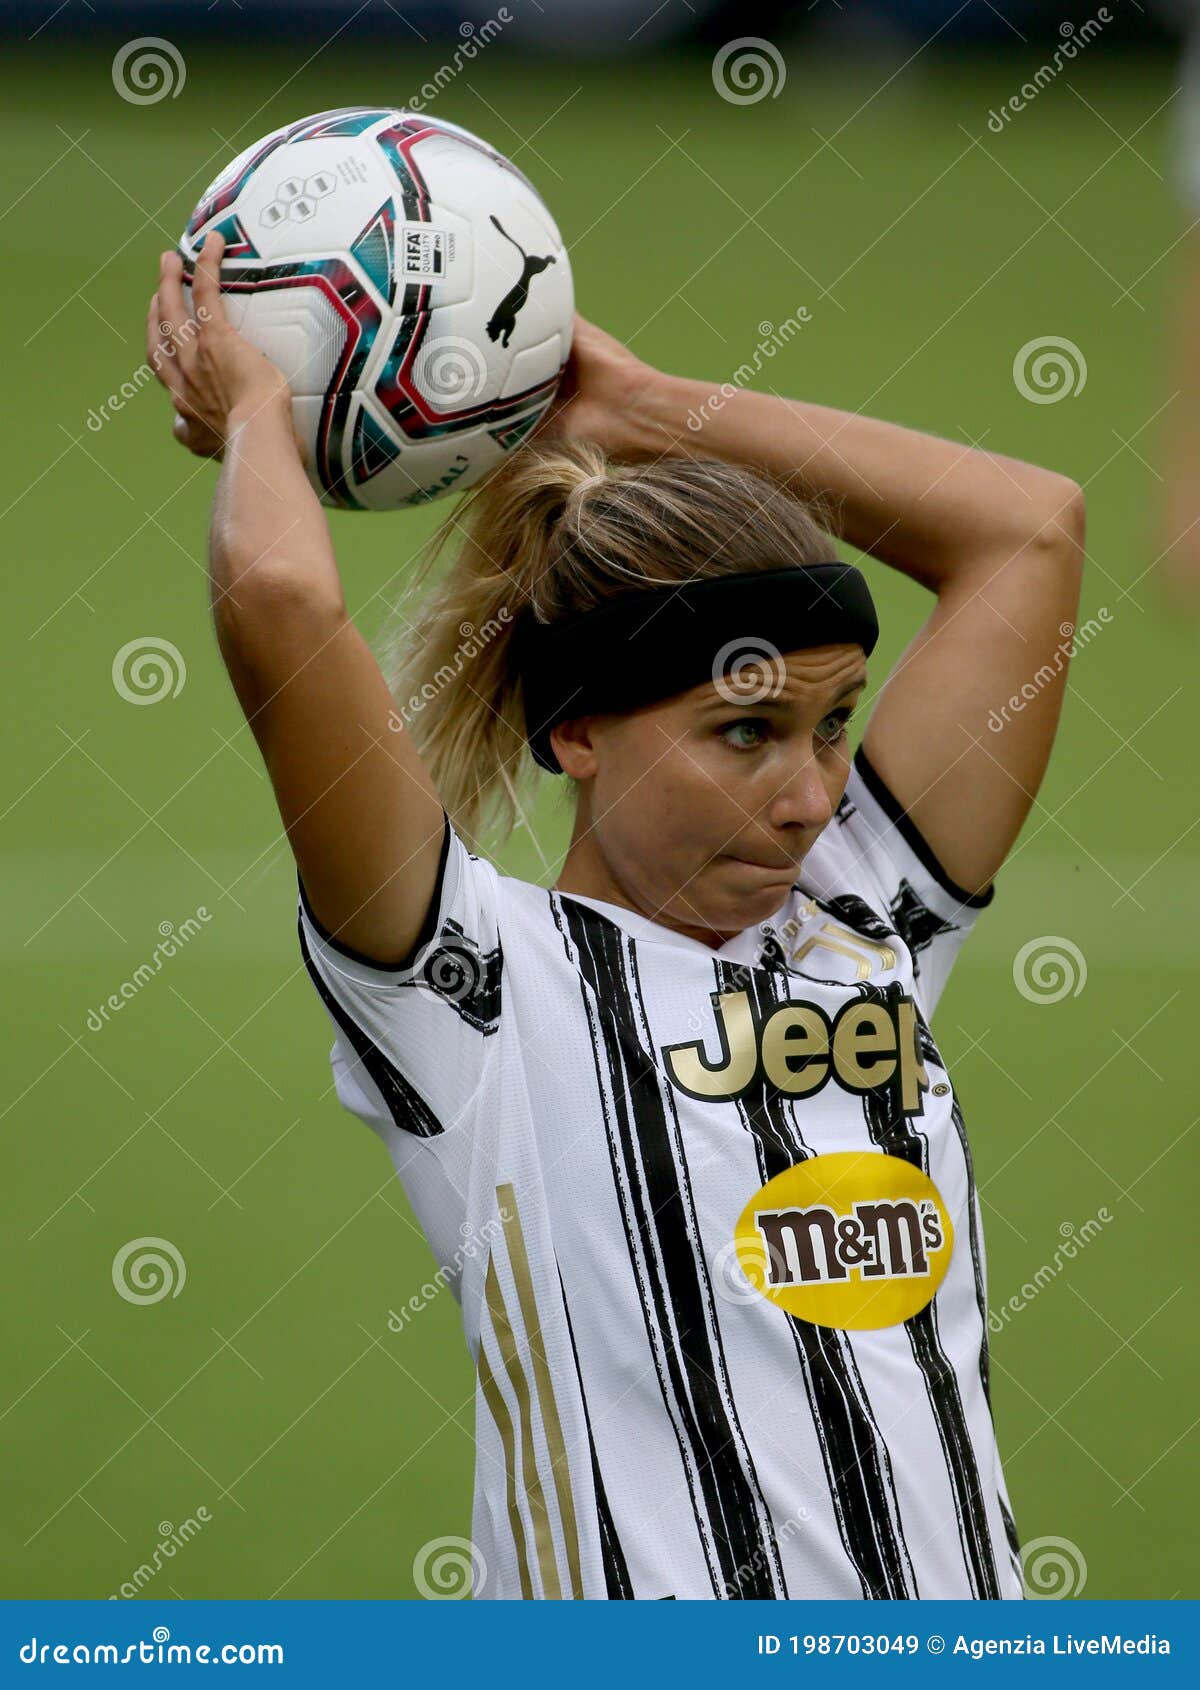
{"points": [[560, 527]]}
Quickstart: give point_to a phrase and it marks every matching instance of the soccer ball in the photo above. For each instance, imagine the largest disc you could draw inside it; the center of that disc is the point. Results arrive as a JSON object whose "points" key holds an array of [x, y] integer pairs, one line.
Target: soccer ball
{"points": [[410, 284]]}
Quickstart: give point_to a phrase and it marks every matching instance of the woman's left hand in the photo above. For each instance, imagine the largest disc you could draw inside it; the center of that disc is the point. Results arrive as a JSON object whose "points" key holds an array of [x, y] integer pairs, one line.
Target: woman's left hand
{"points": [[208, 368], [602, 392]]}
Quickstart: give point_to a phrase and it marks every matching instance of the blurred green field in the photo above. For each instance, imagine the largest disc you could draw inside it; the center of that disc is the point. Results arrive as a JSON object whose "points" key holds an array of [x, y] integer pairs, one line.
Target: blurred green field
{"points": [[270, 1392]]}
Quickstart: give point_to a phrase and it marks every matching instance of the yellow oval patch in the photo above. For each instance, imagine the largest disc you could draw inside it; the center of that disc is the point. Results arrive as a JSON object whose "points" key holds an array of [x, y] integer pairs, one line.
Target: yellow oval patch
{"points": [[855, 1239]]}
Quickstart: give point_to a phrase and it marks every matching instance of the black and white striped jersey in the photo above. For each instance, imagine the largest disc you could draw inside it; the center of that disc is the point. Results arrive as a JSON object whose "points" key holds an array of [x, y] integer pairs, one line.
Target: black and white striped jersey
{"points": [[712, 1222]]}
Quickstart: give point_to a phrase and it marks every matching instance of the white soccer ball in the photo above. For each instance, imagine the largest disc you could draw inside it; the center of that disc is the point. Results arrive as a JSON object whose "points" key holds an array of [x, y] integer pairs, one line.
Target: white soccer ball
{"points": [[410, 284]]}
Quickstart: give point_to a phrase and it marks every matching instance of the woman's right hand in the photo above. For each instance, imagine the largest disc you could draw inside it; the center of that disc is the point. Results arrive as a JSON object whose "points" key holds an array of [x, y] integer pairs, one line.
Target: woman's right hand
{"points": [[208, 368], [603, 390]]}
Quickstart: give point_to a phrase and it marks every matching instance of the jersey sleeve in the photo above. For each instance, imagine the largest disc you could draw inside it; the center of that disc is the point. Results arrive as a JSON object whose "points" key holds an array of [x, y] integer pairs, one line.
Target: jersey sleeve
{"points": [[413, 1041], [911, 889]]}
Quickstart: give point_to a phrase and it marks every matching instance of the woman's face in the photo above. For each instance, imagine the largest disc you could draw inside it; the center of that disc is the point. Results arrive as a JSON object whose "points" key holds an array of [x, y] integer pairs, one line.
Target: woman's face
{"points": [[698, 811]]}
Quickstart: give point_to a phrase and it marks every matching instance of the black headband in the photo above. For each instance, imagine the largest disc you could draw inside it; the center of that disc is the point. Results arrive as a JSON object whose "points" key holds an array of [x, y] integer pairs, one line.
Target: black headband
{"points": [[659, 641]]}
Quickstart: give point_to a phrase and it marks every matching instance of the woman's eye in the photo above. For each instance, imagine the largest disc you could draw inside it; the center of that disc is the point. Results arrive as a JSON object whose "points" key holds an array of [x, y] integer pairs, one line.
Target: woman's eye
{"points": [[753, 724], [832, 729]]}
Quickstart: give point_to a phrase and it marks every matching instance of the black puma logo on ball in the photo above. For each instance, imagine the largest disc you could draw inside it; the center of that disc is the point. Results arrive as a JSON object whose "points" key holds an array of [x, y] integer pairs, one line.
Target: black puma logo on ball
{"points": [[504, 318]]}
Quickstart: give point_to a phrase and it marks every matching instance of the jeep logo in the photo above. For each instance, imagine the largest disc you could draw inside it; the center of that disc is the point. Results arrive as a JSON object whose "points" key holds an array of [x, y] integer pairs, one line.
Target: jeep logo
{"points": [[869, 1043]]}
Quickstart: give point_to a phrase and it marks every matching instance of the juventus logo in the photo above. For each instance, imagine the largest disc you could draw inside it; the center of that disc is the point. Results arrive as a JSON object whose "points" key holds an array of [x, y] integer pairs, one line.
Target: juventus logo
{"points": [[865, 953]]}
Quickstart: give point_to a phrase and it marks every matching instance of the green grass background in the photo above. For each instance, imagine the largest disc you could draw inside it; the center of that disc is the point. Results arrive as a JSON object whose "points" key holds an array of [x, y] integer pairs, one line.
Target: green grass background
{"points": [[327, 1449]]}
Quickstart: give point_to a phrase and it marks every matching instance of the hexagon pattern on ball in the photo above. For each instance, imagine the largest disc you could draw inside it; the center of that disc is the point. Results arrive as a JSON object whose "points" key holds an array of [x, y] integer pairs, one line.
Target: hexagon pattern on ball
{"points": [[411, 285]]}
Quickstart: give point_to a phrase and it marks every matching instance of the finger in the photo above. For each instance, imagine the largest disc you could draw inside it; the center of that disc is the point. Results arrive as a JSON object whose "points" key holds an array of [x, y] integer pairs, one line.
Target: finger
{"points": [[173, 309], [160, 350], [151, 319], [152, 331], [201, 435], [201, 442], [206, 288]]}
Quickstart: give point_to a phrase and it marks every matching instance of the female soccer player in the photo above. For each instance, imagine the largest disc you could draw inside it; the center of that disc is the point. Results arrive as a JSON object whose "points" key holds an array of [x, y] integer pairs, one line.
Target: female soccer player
{"points": [[676, 1125]]}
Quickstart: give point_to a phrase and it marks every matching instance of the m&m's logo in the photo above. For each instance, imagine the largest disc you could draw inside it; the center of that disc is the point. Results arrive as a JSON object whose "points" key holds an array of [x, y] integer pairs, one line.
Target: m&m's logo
{"points": [[855, 1239]]}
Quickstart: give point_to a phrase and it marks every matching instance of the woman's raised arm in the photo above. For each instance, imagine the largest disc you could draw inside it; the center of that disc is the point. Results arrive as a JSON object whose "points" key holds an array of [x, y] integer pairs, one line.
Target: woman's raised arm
{"points": [[362, 815]]}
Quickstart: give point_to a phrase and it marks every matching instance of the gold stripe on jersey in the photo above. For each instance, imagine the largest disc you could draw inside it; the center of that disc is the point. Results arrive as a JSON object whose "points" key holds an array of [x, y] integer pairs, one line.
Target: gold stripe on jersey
{"points": [[518, 1261], [505, 1338], [504, 1426]]}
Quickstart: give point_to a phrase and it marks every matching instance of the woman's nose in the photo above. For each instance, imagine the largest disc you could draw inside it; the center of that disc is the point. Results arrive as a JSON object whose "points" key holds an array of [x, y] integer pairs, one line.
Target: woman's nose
{"points": [[804, 800]]}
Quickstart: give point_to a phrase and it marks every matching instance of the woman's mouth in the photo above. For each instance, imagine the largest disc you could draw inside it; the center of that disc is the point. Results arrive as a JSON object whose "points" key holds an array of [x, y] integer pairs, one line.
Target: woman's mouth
{"points": [[764, 868]]}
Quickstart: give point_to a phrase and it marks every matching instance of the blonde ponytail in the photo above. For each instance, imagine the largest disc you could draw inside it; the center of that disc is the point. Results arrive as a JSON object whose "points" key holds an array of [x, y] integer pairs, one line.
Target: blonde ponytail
{"points": [[560, 528]]}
